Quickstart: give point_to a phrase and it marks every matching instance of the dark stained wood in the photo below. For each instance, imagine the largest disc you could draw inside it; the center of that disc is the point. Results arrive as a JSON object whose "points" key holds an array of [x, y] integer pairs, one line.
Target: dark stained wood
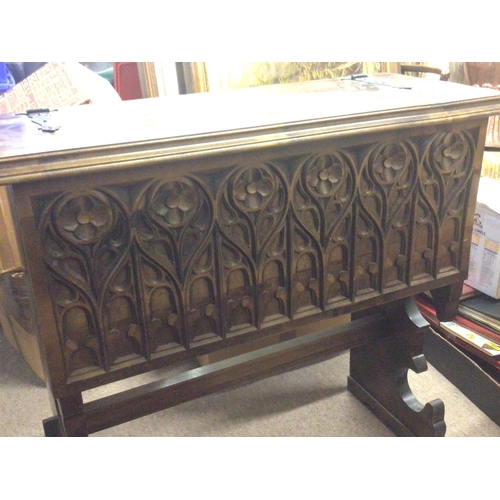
{"points": [[70, 411], [158, 231], [52, 427], [446, 301], [464, 373], [190, 385], [378, 375]]}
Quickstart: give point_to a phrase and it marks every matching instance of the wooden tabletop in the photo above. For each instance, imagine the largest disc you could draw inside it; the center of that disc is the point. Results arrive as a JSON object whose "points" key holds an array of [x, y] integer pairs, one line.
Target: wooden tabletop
{"points": [[91, 135]]}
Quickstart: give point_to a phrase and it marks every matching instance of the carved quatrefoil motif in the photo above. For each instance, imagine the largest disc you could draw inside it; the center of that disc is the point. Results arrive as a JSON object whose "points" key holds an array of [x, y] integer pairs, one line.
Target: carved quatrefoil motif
{"points": [[390, 163], [174, 203], [253, 188], [448, 152], [324, 175], [84, 218]]}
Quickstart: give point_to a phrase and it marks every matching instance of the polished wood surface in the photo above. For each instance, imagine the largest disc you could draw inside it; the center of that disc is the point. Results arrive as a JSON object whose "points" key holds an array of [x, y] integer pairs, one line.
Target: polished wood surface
{"points": [[207, 124], [162, 230]]}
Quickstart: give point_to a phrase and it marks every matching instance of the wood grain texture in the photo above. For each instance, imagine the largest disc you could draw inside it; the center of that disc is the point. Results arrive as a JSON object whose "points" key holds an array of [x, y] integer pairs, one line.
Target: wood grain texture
{"points": [[140, 270], [167, 237], [97, 138]]}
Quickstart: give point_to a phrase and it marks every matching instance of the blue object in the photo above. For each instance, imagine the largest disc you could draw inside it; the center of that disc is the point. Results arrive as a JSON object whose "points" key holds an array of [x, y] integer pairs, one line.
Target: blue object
{"points": [[6, 79]]}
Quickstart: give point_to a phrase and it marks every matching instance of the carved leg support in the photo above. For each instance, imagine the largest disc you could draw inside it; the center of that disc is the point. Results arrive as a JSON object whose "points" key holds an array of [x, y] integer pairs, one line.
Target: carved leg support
{"points": [[70, 420], [446, 300], [52, 428], [378, 375]]}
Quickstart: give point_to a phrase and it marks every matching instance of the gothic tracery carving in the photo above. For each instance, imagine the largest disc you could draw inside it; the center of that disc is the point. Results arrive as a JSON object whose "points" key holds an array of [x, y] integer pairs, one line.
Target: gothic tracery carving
{"points": [[144, 270]]}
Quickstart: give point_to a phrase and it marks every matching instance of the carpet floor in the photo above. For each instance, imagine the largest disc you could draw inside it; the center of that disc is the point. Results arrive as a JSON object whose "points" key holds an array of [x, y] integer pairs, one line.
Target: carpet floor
{"points": [[309, 400]]}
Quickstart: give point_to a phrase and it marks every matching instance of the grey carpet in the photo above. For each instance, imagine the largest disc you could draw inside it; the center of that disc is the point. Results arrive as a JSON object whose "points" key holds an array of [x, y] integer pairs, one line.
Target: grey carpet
{"points": [[309, 400]]}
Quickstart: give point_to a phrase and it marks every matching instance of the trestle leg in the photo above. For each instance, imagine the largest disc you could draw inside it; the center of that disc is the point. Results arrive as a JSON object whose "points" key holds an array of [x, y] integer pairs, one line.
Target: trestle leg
{"points": [[379, 375], [70, 420]]}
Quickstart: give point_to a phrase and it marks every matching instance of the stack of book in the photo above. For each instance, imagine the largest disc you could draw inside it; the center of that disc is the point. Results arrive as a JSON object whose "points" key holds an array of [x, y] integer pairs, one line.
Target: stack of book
{"points": [[475, 330]]}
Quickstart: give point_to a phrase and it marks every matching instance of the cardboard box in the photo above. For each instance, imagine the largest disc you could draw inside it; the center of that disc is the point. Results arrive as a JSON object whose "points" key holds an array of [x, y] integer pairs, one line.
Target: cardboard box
{"points": [[56, 85], [484, 265]]}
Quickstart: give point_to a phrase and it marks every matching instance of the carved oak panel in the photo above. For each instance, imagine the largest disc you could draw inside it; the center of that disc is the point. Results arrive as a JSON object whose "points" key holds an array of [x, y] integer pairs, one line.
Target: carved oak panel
{"points": [[144, 269]]}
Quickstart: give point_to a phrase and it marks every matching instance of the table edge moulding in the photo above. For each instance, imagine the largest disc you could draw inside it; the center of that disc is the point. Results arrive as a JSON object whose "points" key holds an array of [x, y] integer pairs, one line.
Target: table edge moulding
{"points": [[154, 232]]}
